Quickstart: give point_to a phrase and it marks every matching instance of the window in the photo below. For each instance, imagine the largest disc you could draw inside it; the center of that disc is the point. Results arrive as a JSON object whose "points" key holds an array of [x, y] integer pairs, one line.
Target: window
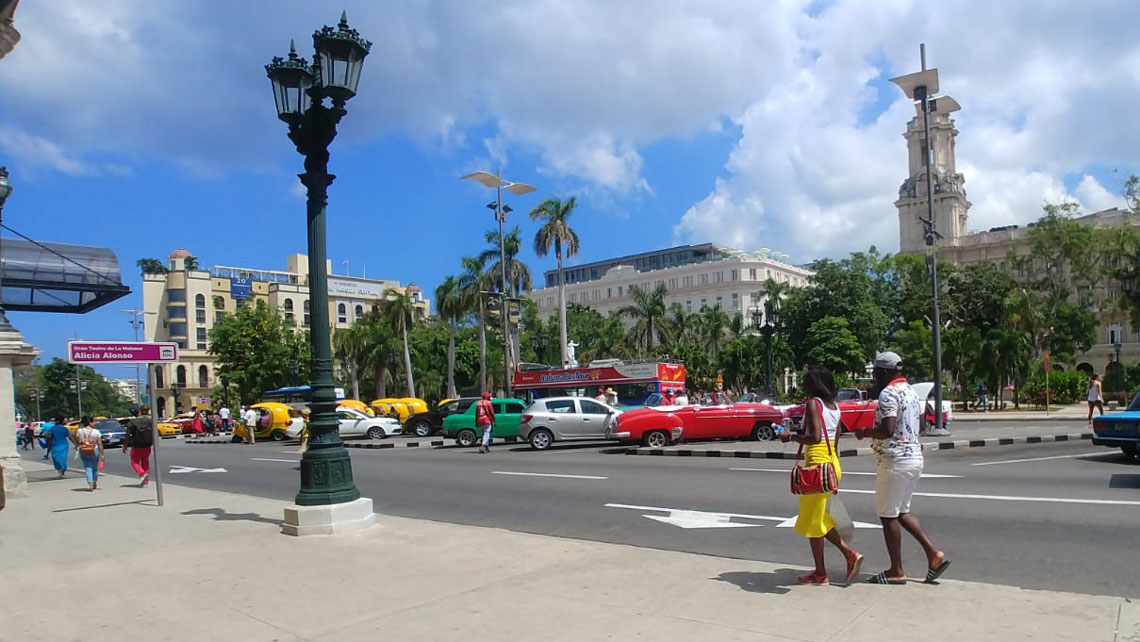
{"points": [[200, 301], [719, 277], [161, 408], [735, 301], [619, 291], [176, 312], [341, 313], [688, 306], [593, 407], [181, 376], [359, 310], [218, 316], [176, 295], [201, 339], [751, 274], [514, 408], [769, 273], [203, 377], [719, 302], [306, 313], [177, 329], [688, 281], [609, 293], [704, 280], [560, 406], [200, 316], [219, 303], [1113, 293], [158, 378], [735, 275], [704, 303], [1115, 335], [288, 305]]}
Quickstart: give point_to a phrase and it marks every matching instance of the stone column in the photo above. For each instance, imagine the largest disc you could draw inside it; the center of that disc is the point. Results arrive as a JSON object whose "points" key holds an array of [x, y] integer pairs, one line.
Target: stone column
{"points": [[14, 355]]}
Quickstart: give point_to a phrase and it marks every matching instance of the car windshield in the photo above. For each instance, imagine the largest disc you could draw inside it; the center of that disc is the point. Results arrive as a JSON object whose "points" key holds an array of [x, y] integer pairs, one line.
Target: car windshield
{"points": [[108, 426], [847, 394], [1135, 405]]}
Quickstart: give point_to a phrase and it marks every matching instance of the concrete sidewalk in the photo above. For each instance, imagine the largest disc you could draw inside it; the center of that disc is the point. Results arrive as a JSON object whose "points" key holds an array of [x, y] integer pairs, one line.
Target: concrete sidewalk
{"points": [[1073, 412], [111, 566]]}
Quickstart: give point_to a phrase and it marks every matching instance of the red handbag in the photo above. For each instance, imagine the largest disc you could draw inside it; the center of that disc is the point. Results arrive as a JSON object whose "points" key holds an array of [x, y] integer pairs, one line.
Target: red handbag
{"points": [[813, 480]]}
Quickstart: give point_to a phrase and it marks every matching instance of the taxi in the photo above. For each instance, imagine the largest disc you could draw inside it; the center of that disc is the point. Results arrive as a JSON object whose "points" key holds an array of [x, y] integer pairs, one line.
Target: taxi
{"points": [[399, 408], [356, 405], [278, 422]]}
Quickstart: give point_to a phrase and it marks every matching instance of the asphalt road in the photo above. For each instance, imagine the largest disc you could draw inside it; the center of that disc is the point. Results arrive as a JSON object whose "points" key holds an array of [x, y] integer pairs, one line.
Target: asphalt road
{"points": [[1062, 516]]}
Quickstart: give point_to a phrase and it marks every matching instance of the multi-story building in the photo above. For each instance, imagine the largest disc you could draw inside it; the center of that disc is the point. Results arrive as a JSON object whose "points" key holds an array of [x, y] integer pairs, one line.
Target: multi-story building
{"points": [[183, 304], [128, 388], [695, 276], [1116, 340]]}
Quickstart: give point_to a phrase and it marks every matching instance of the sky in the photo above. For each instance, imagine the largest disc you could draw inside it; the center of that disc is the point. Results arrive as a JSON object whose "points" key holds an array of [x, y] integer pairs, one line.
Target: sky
{"points": [[148, 126]]}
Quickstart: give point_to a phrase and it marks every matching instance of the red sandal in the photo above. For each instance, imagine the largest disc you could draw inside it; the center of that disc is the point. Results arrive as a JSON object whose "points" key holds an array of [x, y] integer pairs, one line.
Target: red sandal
{"points": [[854, 563], [819, 579]]}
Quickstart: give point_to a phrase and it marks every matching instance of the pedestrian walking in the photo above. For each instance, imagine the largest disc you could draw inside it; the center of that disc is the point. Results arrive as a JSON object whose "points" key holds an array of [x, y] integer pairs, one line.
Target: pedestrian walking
{"points": [[895, 441], [1095, 396], [250, 418], [45, 430], [224, 415], [140, 440], [820, 436], [29, 437], [59, 446], [89, 441], [485, 419]]}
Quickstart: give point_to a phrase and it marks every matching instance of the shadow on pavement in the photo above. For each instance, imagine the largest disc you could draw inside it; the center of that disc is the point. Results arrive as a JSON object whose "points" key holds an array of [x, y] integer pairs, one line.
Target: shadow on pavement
{"points": [[777, 582], [1124, 481], [137, 501], [221, 515]]}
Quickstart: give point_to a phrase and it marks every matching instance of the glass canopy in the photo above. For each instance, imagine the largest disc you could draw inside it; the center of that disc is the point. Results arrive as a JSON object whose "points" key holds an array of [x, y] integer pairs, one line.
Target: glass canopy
{"points": [[57, 277]]}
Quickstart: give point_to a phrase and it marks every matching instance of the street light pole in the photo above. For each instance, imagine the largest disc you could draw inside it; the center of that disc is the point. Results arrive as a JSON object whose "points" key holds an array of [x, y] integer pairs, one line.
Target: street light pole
{"points": [[300, 92], [136, 324], [5, 190], [768, 329], [37, 394]]}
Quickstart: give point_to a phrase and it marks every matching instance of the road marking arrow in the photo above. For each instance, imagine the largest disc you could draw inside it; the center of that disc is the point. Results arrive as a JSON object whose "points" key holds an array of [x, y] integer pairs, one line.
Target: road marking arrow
{"points": [[688, 519], [174, 470]]}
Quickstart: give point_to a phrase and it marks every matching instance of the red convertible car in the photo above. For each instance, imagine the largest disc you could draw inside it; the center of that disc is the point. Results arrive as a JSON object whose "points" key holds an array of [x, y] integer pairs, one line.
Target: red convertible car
{"points": [[661, 425], [858, 411]]}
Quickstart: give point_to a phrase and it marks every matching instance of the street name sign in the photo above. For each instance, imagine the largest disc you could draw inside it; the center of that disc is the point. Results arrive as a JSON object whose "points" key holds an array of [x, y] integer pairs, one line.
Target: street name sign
{"points": [[121, 352]]}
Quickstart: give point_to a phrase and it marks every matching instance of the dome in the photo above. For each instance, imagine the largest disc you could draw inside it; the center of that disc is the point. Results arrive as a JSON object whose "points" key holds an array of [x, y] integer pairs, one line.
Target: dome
{"points": [[180, 253], [414, 289]]}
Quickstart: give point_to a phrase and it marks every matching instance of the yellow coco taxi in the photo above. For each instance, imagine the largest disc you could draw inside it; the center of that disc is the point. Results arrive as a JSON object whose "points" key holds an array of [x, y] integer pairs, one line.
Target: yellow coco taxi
{"points": [[356, 405], [399, 408], [277, 422]]}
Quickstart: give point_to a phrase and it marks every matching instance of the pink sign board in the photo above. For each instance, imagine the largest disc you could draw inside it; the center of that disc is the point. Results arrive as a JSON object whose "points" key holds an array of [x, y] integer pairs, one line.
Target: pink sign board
{"points": [[121, 352]]}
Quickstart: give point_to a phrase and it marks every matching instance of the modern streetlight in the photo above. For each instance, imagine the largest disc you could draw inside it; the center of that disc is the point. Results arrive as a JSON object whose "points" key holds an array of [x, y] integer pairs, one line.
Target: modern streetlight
{"points": [[771, 321], [78, 385], [137, 324], [38, 395], [497, 181], [175, 389], [920, 88], [300, 92]]}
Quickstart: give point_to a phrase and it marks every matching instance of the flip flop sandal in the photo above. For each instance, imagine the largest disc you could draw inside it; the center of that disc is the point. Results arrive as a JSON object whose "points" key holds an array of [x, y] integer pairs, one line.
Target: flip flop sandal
{"points": [[881, 578], [932, 574], [853, 565]]}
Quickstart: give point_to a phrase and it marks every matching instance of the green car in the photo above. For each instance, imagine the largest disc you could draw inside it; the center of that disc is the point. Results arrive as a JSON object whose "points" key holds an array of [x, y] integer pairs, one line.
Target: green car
{"points": [[461, 426]]}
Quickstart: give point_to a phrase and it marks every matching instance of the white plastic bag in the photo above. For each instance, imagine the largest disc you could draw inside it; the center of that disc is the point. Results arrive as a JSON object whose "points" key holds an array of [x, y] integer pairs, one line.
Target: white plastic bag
{"points": [[843, 522]]}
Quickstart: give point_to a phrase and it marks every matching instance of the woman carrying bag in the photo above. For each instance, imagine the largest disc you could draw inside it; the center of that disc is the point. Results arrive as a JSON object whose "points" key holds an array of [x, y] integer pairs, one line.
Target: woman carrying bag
{"points": [[89, 443], [818, 478]]}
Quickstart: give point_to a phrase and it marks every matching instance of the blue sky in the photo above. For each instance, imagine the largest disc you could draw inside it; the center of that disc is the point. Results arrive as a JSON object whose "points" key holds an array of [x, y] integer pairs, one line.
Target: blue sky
{"points": [[150, 126]]}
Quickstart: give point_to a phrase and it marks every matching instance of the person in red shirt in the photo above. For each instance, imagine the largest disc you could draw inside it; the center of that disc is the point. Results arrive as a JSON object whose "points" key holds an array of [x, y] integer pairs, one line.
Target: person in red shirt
{"points": [[485, 419], [667, 398]]}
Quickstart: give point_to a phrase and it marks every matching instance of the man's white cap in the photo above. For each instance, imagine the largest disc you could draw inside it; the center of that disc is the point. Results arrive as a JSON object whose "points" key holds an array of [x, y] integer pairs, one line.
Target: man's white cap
{"points": [[888, 361]]}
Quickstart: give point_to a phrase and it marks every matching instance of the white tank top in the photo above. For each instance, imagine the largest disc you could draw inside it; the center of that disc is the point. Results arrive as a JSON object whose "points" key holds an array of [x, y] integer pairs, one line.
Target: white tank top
{"points": [[1094, 394], [830, 419]]}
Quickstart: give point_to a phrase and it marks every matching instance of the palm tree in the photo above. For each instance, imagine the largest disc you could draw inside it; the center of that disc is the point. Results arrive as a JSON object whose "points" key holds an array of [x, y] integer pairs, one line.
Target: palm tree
{"points": [[401, 311], [648, 309], [472, 282], [190, 263], [518, 275], [379, 348], [713, 324], [449, 305], [556, 231], [151, 266], [772, 290], [350, 345]]}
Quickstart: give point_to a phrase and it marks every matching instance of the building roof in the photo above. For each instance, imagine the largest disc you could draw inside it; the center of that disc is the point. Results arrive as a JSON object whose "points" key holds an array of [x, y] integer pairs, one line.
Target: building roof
{"points": [[58, 277], [180, 253]]}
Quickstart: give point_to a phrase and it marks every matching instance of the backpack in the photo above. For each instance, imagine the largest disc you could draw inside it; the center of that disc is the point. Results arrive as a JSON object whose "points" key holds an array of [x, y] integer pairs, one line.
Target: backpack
{"points": [[88, 445], [141, 436]]}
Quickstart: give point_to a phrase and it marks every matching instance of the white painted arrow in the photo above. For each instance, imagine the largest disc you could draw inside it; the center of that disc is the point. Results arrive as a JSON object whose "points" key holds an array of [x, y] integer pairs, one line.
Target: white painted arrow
{"points": [[688, 519], [174, 470]]}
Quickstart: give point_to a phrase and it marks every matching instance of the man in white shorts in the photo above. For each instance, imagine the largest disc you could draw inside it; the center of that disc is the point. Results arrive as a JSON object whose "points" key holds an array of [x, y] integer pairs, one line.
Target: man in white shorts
{"points": [[895, 435]]}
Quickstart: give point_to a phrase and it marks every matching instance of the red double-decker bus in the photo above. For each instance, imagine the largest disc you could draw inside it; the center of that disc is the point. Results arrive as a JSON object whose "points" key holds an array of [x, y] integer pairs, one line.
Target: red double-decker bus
{"points": [[637, 383]]}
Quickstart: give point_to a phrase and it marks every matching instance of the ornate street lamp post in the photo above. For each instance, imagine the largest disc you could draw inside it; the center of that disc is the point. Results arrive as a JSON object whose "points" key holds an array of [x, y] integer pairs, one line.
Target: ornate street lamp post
{"points": [[300, 92], [771, 319]]}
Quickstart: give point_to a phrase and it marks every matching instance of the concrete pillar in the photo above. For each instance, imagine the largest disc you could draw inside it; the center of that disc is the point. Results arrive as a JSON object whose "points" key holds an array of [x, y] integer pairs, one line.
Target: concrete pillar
{"points": [[14, 355]]}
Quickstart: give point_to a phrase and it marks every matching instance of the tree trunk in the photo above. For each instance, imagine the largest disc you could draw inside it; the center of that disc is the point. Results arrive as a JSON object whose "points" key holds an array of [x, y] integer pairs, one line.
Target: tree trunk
{"points": [[451, 360], [408, 363], [562, 333], [382, 382], [482, 349], [355, 379]]}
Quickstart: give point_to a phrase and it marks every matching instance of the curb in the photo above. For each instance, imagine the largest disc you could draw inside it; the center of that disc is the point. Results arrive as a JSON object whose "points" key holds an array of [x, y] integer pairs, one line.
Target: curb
{"points": [[860, 452], [390, 445], [996, 417]]}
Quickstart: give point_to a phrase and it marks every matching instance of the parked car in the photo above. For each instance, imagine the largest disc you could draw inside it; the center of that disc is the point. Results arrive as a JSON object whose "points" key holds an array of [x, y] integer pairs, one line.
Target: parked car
{"points": [[426, 424], [399, 408], [354, 423], [853, 414], [278, 422], [925, 391], [565, 419], [113, 433], [508, 415], [357, 405], [851, 394], [185, 423], [165, 428], [658, 427], [1120, 429]]}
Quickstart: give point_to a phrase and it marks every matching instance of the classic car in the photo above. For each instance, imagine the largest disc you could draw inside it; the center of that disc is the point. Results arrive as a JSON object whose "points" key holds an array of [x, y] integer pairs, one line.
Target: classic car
{"points": [[858, 409], [1120, 429], [425, 424], [661, 425], [508, 414]]}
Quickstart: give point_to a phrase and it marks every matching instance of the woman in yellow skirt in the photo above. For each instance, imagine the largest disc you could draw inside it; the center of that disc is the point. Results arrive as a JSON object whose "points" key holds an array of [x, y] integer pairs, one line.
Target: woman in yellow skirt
{"points": [[820, 423]]}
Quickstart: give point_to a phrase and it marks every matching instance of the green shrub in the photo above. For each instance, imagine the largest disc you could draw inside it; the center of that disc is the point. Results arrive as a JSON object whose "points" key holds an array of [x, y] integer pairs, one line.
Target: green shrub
{"points": [[1067, 386]]}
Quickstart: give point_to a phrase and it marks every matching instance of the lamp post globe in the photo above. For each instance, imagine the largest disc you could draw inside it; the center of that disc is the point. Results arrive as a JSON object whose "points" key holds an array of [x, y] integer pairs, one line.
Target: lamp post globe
{"points": [[299, 92]]}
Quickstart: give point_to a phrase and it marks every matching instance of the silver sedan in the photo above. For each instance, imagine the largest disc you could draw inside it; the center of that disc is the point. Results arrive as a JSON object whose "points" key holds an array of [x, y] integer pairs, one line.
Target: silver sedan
{"points": [[565, 419]]}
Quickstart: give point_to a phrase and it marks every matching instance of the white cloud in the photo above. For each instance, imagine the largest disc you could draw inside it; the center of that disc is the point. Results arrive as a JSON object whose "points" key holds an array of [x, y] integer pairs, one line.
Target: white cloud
{"points": [[32, 152], [1094, 197]]}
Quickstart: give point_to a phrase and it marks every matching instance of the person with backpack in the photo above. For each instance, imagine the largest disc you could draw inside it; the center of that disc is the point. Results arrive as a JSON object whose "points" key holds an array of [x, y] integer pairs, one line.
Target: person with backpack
{"points": [[89, 442], [485, 419], [140, 439]]}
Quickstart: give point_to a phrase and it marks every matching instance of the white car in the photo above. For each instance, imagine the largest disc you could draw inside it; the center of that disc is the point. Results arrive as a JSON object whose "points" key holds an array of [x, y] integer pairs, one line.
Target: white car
{"points": [[925, 390], [354, 423], [565, 419]]}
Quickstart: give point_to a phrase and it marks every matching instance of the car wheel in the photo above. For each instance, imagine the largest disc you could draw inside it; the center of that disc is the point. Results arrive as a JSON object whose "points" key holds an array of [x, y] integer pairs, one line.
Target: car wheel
{"points": [[763, 432], [376, 432], [541, 439], [1129, 450], [422, 428], [465, 438], [278, 435], [655, 439]]}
